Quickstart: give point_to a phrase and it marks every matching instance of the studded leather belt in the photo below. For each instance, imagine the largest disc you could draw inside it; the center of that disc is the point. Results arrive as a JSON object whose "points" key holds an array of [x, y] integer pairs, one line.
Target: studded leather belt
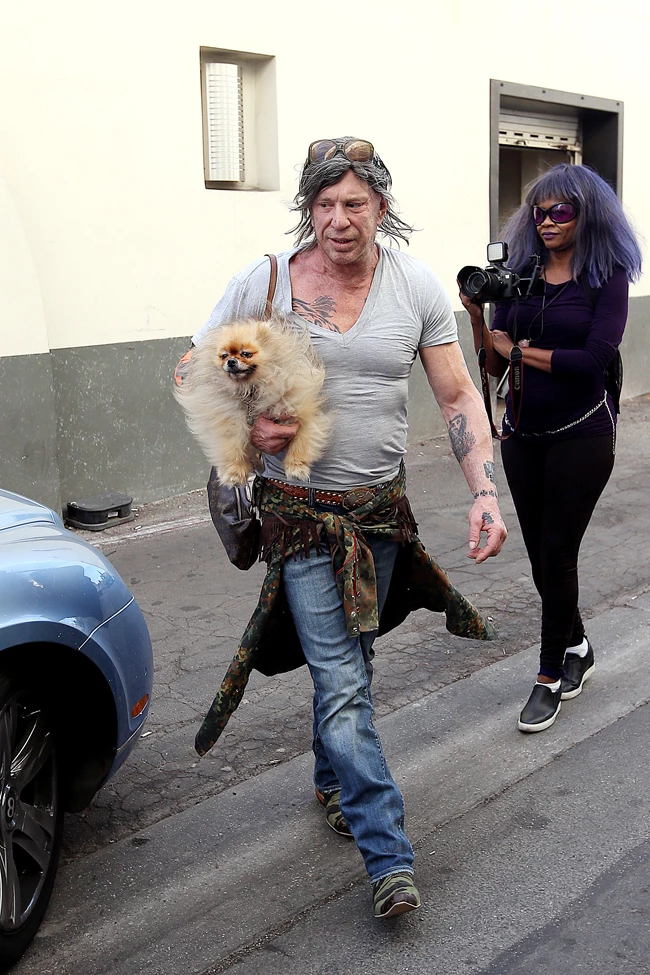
{"points": [[348, 499]]}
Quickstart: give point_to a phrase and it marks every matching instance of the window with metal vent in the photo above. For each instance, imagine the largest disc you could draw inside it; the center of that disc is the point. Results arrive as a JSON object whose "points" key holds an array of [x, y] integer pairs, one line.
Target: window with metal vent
{"points": [[223, 99], [240, 138]]}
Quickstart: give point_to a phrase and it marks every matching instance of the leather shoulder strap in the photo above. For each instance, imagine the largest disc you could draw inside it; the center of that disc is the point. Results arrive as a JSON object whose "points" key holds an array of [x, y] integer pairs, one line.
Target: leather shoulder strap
{"points": [[272, 283]]}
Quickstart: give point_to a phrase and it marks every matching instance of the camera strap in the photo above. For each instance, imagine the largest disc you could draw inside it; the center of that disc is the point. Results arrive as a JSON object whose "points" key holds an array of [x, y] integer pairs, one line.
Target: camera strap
{"points": [[516, 379]]}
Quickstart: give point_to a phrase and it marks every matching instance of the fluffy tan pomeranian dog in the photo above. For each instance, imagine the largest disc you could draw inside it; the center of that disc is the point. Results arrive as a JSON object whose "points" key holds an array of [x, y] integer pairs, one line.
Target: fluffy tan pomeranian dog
{"points": [[242, 370]]}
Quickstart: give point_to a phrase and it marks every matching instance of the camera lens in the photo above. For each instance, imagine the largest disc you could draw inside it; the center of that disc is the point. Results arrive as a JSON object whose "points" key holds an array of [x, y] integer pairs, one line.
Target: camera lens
{"points": [[494, 283], [475, 283], [470, 273]]}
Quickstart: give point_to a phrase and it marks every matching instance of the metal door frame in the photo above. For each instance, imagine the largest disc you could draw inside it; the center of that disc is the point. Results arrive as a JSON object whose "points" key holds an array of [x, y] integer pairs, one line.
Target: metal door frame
{"points": [[499, 89]]}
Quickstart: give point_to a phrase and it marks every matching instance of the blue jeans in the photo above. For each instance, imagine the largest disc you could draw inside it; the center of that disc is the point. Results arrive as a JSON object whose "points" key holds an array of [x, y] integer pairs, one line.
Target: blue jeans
{"points": [[346, 746]]}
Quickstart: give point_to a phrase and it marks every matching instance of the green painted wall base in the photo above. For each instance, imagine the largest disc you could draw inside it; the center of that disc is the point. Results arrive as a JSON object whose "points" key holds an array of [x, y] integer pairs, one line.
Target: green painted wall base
{"points": [[28, 446], [119, 427]]}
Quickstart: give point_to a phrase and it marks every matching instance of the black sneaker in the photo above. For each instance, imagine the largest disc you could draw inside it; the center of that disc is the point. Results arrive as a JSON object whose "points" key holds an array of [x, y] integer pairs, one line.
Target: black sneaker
{"points": [[541, 708], [576, 671]]}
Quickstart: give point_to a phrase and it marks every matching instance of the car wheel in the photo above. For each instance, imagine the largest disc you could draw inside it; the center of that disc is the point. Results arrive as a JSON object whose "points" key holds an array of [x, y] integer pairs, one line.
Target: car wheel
{"points": [[31, 817]]}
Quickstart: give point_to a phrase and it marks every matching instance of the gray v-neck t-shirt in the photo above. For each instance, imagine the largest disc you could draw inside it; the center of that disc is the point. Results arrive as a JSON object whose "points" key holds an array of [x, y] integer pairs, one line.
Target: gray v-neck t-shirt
{"points": [[367, 368]]}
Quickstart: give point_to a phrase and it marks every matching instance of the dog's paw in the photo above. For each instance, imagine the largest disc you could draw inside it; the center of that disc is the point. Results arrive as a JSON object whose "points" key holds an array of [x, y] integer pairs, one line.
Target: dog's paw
{"points": [[296, 471], [235, 475]]}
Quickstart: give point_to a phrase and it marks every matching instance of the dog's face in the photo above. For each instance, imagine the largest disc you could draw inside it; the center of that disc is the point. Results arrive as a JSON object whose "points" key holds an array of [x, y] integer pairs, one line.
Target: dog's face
{"points": [[240, 353]]}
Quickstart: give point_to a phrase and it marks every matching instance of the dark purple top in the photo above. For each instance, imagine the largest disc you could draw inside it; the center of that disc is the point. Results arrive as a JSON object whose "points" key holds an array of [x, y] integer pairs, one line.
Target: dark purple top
{"points": [[584, 338]]}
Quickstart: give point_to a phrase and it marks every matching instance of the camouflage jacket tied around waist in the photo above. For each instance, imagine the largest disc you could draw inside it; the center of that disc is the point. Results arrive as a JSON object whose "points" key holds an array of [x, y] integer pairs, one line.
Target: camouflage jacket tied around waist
{"points": [[290, 529]]}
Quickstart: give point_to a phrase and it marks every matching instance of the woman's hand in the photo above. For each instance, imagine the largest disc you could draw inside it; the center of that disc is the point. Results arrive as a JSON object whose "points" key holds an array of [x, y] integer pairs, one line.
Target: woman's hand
{"points": [[502, 343], [272, 434], [474, 308]]}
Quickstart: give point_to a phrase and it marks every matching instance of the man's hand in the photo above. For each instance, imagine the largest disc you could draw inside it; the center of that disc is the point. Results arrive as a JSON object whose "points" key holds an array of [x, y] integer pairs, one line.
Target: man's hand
{"points": [[272, 435], [486, 517]]}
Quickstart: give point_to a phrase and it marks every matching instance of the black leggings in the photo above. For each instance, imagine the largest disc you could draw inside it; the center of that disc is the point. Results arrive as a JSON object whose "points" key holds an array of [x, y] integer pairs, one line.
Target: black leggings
{"points": [[555, 487]]}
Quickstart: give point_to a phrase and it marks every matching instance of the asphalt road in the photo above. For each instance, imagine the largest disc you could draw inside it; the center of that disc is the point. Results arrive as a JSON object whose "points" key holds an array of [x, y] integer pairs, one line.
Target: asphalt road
{"points": [[530, 850], [197, 604], [527, 846]]}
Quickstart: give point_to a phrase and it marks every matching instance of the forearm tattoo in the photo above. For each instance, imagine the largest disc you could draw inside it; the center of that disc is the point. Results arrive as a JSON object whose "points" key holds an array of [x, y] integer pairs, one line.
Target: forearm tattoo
{"points": [[462, 439], [488, 468], [320, 311]]}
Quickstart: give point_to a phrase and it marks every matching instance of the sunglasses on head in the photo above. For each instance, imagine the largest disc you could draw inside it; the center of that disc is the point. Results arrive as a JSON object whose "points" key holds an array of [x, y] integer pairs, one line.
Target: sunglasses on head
{"points": [[356, 150], [558, 213]]}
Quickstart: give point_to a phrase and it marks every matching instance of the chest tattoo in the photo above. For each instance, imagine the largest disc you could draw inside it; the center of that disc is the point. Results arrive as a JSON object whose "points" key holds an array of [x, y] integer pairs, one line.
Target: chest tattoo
{"points": [[320, 311]]}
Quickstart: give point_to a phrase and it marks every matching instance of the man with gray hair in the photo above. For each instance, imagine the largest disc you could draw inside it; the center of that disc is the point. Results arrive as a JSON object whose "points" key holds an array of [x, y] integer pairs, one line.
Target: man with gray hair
{"points": [[370, 310]]}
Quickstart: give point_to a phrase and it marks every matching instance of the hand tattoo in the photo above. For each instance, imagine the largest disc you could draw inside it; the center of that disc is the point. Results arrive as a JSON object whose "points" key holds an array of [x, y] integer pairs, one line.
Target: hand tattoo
{"points": [[461, 439], [487, 518], [319, 312], [488, 467]]}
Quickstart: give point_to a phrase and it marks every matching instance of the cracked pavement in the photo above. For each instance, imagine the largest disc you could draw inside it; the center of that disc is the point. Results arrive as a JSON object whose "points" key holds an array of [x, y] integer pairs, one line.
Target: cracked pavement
{"points": [[197, 605]]}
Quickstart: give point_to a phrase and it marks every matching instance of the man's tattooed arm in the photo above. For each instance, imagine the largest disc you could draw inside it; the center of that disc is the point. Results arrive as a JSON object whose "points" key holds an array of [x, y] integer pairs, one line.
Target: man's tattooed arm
{"points": [[488, 468], [320, 311], [462, 442], [462, 439], [469, 435]]}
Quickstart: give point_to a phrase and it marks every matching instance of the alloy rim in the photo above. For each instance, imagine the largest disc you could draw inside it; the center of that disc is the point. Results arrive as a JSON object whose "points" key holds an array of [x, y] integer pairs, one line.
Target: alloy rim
{"points": [[28, 808]]}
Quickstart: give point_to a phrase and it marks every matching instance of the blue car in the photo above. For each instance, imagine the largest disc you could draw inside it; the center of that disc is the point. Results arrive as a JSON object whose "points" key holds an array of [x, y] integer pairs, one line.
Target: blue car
{"points": [[76, 670]]}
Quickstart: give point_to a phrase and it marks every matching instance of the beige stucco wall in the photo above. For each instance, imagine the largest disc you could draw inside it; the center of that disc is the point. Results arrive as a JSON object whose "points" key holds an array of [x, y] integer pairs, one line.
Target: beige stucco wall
{"points": [[111, 235], [20, 295]]}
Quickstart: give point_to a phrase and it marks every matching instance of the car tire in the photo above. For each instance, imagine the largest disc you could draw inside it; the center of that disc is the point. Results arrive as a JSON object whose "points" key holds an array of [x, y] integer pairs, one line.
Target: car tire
{"points": [[31, 814]]}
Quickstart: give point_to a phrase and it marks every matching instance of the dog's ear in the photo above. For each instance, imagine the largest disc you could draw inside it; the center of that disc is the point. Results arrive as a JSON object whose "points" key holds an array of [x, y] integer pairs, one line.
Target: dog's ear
{"points": [[255, 331], [263, 333]]}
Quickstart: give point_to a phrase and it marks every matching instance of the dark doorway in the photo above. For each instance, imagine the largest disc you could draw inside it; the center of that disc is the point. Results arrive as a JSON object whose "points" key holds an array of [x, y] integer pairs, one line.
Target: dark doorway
{"points": [[517, 169], [533, 129]]}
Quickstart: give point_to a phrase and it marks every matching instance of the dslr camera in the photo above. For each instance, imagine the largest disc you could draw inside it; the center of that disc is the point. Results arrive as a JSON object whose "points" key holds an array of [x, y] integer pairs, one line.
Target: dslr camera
{"points": [[497, 282]]}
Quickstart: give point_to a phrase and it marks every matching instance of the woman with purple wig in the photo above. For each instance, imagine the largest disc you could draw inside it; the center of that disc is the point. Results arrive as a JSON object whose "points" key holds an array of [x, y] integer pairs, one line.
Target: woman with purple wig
{"points": [[558, 453]]}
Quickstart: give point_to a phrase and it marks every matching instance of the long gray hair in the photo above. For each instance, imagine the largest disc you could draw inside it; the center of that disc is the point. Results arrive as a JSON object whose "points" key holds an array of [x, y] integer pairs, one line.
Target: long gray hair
{"points": [[316, 176]]}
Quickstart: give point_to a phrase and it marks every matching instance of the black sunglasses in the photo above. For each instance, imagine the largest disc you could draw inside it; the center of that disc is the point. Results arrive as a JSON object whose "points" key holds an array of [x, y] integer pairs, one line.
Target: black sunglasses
{"points": [[558, 213]]}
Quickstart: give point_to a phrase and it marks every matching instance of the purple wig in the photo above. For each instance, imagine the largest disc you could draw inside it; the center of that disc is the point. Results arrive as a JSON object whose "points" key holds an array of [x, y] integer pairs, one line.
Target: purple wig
{"points": [[604, 238]]}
